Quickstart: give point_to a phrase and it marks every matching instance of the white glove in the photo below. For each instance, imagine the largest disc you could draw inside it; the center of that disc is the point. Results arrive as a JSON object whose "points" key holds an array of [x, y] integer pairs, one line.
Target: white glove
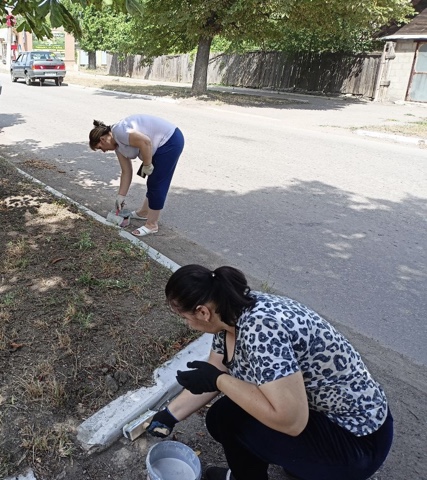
{"points": [[147, 169], [120, 202]]}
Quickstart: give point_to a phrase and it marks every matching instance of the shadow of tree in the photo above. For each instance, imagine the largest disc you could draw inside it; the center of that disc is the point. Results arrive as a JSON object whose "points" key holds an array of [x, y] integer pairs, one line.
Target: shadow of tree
{"points": [[8, 120], [236, 97], [328, 237], [359, 260], [54, 166]]}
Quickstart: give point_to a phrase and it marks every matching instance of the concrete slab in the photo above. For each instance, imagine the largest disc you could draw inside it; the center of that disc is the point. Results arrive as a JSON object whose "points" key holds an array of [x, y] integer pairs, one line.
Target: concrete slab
{"points": [[390, 136], [28, 475], [103, 428]]}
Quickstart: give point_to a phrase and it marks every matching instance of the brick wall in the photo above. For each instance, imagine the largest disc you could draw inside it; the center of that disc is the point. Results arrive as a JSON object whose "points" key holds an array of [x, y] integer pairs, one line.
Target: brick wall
{"points": [[399, 70]]}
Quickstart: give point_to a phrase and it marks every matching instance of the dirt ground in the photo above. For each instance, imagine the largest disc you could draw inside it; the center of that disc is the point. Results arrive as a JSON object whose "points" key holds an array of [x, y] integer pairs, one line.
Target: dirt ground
{"points": [[83, 320]]}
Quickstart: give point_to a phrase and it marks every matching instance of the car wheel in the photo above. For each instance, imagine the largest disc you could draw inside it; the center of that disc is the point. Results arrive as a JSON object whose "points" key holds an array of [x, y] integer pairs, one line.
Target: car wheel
{"points": [[27, 79], [12, 76], [58, 81]]}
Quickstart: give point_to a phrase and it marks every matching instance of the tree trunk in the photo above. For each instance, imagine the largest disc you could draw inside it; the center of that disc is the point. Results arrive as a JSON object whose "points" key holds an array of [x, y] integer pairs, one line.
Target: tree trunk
{"points": [[130, 59], [91, 60], [200, 77]]}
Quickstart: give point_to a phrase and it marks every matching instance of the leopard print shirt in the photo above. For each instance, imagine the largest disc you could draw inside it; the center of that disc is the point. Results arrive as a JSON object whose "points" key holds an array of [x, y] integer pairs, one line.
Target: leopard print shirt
{"points": [[279, 337]]}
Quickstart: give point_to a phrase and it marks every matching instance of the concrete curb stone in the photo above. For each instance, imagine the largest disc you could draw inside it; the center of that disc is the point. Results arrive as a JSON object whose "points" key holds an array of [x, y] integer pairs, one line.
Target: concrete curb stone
{"points": [[396, 138]]}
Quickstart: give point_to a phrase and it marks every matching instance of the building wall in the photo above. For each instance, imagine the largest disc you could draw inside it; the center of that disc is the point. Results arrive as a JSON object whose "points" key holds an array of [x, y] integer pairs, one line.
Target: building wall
{"points": [[399, 70], [82, 59]]}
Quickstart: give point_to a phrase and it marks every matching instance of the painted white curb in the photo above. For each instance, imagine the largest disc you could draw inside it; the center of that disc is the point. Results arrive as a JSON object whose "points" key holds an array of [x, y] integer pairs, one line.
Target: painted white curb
{"points": [[106, 426], [152, 253], [28, 475], [390, 136]]}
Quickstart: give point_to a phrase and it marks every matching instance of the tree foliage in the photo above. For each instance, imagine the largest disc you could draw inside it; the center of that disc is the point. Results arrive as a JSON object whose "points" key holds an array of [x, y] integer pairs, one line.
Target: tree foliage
{"points": [[319, 25], [310, 25], [40, 16], [316, 25], [107, 29]]}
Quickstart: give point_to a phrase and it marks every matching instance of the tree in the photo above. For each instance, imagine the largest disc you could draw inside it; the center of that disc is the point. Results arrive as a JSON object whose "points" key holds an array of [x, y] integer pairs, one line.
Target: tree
{"points": [[183, 25], [93, 25], [107, 30], [347, 27]]}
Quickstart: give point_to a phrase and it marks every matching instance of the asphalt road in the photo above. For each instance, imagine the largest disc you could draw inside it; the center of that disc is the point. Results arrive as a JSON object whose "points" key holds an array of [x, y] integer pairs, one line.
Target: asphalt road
{"points": [[289, 195]]}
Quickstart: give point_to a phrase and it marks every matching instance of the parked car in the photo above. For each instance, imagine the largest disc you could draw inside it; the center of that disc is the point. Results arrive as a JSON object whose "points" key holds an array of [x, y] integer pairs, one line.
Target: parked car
{"points": [[38, 66]]}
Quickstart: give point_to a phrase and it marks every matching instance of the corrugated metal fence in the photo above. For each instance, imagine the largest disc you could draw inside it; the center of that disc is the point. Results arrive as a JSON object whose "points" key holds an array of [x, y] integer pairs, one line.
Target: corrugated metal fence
{"points": [[327, 73]]}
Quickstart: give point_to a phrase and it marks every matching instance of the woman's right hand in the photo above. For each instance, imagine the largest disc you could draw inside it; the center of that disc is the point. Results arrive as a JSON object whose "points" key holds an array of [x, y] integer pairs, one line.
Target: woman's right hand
{"points": [[161, 424], [120, 202]]}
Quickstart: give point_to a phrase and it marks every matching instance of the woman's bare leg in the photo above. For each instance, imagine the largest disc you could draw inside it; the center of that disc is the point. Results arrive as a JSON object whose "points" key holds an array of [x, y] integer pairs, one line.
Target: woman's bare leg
{"points": [[152, 216], [143, 211], [153, 219]]}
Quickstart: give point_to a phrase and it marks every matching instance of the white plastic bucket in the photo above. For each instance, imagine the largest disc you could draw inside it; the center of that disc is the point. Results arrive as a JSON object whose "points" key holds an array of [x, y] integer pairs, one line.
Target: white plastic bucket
{"points": [[169, 460]]}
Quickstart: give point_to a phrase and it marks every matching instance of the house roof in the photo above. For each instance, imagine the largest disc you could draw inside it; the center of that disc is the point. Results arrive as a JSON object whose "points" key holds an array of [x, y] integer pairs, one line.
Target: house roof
{"points": [[416, 29]]}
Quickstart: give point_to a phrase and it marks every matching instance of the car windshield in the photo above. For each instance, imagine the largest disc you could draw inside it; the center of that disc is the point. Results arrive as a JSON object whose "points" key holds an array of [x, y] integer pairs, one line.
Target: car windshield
{"points": [[44, 56]]}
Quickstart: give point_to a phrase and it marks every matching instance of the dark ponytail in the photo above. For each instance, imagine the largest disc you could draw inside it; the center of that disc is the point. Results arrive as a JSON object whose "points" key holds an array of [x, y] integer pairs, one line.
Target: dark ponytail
{"points": [[97, 132], [226, 287]]}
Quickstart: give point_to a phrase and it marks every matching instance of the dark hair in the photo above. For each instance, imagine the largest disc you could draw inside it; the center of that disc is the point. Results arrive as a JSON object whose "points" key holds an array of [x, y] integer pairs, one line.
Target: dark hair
{"points": [[194, 285], [97, 132]]}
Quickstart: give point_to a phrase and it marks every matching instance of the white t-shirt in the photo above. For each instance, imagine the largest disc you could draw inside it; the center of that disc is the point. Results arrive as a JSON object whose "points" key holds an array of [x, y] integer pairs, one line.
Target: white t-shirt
{"points": [[158, 130]]}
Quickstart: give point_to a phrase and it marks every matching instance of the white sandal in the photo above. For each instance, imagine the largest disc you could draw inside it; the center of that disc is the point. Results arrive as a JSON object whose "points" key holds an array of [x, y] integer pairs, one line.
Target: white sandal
{"points": [[142, 231], [135, 216]]}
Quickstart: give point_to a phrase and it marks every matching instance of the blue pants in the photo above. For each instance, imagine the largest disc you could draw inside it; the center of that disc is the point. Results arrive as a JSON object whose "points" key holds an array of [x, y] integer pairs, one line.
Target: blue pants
{"points": [[164, 162], [323, 451]]}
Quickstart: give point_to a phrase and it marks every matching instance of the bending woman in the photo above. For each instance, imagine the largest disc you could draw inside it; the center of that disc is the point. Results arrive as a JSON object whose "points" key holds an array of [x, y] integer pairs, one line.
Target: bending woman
{"points": [[295, 391], [158, 143]]}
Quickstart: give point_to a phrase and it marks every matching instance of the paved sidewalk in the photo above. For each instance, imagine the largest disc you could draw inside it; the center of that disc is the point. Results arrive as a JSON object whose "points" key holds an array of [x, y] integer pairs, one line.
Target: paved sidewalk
{"points": [[326, 111]]}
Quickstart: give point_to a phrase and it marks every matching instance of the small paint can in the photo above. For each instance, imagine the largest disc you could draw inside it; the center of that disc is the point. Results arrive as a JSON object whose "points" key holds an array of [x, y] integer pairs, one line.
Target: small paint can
{"points": [[170, 460]]}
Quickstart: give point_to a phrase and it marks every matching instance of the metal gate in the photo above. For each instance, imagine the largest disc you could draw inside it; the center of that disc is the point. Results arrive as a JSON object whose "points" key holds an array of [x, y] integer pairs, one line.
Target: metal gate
{"points": [[417, 89]]}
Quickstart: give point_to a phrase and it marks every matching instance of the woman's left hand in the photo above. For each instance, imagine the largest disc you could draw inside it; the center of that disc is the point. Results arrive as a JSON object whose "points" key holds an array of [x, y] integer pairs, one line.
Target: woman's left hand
{"points": [[200, 380], [147, 169]]}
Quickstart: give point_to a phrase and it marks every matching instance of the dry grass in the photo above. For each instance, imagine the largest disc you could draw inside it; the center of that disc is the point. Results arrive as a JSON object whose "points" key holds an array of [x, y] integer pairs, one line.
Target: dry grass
{"points": [[52, 442], [410, 129]]}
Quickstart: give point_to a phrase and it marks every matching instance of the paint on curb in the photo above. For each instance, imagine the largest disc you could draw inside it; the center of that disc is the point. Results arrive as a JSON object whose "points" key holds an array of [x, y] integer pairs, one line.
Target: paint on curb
{"points": [[152, 253], [27, 475], [104, 427]]}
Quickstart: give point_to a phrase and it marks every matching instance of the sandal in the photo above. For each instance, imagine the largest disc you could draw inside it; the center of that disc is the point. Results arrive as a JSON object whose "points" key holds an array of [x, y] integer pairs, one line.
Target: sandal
{"points": [[142, 231], [135, 216]]}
